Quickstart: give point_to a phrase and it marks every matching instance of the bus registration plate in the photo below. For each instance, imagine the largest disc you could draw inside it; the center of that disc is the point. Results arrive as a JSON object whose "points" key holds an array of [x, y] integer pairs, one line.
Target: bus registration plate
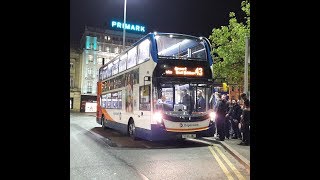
{"points": [[188, 135]]}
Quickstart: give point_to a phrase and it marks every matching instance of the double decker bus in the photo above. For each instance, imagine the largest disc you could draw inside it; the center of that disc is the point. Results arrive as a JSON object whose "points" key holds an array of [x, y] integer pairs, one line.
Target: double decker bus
{"points": [[153, 90]]}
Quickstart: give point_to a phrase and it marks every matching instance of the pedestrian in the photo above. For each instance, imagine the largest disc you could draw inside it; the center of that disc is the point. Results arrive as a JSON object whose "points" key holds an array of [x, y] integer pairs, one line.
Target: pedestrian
{"points": [[201, 102], [187, 101], [220, 110], [245, 124], [244, 98], [234, 114], [213, 100], [227, 123]]}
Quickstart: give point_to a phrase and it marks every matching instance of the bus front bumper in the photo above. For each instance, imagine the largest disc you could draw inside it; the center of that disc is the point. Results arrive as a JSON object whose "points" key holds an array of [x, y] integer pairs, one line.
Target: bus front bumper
{"points": [[159, 133]]}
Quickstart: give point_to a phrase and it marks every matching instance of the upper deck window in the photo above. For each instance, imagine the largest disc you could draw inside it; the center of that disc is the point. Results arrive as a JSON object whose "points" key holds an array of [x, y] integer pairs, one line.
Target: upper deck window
{"points": [[180, 47], [144, 51], [132, 57]]}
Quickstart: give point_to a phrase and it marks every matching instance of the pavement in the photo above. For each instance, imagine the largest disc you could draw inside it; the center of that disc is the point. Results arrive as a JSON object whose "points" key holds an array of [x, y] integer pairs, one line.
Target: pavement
{"points": [[240, 152]]}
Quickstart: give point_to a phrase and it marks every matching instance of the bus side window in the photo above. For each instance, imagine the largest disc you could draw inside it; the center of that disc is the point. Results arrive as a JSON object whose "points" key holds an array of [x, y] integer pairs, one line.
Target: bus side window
{"points": [[144, 95]]}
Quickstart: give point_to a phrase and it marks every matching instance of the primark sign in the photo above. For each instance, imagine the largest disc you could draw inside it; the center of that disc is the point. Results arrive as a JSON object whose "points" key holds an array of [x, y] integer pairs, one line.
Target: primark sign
{"points": [[132, 27]]}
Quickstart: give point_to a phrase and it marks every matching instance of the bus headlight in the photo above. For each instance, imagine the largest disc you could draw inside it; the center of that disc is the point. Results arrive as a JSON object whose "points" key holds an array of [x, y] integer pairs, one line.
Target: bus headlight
{"points": [[158, 117], [212, 116]]}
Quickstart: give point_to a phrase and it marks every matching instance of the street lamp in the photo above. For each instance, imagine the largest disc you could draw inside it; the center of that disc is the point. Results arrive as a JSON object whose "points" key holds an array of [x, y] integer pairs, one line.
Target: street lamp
{"points": [[124, 25]]}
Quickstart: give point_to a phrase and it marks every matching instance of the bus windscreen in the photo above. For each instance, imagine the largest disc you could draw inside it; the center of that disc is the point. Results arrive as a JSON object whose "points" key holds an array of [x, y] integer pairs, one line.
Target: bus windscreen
{"points": [[180, 47]]}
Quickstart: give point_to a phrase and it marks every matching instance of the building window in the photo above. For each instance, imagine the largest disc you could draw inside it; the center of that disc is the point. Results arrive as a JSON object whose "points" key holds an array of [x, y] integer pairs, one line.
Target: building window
{"points": [[108, 49], [71, 103], [116, 50], [89, 71], [89, 88], [99, 47], [108, 38], [99, 60], [71, 82], [71, 65], [90, 58]]}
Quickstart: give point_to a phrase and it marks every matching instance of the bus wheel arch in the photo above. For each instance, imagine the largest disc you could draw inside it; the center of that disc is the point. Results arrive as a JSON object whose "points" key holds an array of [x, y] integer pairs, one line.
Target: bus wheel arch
{"points": [[131, 129]]}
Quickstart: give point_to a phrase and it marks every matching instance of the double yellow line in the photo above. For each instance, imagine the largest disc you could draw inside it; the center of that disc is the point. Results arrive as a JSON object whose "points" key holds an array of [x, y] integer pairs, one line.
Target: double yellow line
{"points": [[223, 167]]}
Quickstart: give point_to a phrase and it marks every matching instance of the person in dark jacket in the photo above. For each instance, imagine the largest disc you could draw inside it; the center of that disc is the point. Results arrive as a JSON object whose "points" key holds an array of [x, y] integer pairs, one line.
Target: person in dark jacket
{"points": [[201, 102], [244, 98], [227, 123], [245, 123], [187, 101], [221, 110], [234, 114]]}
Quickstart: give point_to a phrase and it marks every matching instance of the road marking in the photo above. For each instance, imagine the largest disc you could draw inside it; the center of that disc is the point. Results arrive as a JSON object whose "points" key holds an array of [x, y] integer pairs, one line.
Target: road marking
{"points": [[224, 169], [238, 174]]}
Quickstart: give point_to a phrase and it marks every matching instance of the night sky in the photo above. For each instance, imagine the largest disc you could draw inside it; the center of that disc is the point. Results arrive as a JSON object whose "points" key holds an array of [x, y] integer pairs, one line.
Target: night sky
{"points": [[194, 17]]}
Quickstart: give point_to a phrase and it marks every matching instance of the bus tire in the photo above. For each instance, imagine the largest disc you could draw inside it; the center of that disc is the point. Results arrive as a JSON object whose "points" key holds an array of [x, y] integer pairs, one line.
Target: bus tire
{"points": [[132, 129], [102, 122]]}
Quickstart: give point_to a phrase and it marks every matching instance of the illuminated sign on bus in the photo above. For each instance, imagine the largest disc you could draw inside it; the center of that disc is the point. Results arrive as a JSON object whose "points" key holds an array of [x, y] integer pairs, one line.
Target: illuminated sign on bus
{"points": [[132, 27], [184, 71]]}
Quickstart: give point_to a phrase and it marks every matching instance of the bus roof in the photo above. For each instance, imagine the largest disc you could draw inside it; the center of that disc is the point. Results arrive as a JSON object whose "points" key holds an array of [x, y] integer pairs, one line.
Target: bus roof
{"points": [[151, 35]]}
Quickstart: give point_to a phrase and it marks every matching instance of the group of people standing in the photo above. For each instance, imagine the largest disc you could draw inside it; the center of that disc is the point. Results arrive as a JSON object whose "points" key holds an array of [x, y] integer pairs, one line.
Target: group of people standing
{"points": [[229, 114]]}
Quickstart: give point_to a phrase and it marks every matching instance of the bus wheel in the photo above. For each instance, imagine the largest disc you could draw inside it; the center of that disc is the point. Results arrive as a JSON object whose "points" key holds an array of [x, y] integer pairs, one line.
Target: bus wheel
{"points": [[132, 129], [103, 123]]}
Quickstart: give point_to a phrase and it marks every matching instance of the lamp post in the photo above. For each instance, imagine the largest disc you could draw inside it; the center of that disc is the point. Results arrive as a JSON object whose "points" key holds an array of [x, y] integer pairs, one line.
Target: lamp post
{"points": [[124, 25]]}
